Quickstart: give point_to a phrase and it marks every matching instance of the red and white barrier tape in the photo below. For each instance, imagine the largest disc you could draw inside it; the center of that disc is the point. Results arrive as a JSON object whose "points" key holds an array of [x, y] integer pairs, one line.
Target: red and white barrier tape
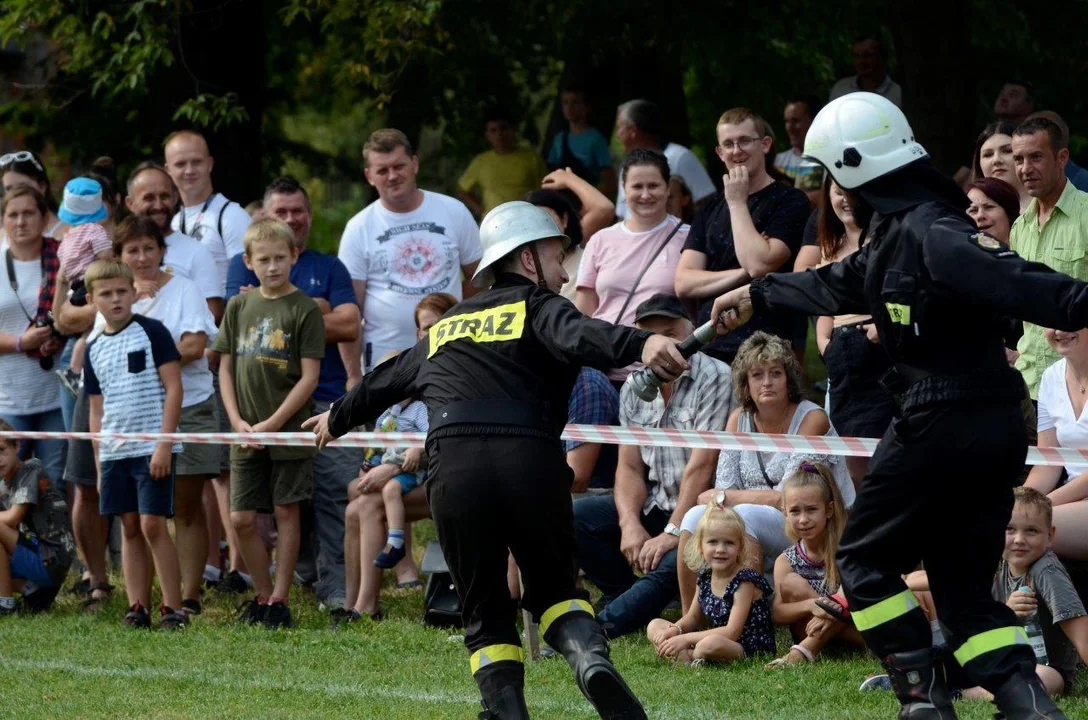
{"points": [[608, 435]]}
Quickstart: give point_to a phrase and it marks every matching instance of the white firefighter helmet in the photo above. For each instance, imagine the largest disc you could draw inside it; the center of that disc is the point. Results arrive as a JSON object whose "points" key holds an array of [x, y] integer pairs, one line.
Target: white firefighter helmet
{"points": [[506, 228], [859, 137]]}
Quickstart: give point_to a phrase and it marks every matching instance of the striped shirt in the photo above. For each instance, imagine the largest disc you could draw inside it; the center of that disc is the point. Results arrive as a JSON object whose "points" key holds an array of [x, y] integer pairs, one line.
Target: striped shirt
{"points": [[123, 367]]}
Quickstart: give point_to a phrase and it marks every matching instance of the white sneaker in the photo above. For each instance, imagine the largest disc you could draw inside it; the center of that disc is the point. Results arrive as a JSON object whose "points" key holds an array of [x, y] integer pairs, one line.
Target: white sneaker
{"points": [[876, 682]]}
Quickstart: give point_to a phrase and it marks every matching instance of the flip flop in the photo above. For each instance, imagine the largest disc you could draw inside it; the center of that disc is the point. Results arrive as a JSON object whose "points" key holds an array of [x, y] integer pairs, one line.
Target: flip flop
{"points": [[837, 607]]}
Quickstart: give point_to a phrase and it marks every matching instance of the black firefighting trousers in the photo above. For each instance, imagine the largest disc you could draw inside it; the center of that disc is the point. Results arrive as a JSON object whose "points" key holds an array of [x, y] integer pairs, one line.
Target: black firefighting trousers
{"points": [[494, 493], [939, 492]]}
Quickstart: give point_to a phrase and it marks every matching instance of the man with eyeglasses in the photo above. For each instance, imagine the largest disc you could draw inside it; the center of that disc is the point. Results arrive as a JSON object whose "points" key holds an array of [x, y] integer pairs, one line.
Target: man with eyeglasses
{"points": [[752, 228]]}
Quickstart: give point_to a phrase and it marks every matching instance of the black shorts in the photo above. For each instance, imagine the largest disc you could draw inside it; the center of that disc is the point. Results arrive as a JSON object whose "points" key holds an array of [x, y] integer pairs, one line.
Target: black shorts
{"points": [[860, 406]]}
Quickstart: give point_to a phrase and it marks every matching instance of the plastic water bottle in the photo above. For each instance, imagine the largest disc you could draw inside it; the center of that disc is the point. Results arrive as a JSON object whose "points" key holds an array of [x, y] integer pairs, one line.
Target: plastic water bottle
{"points": [[1035, 632]]}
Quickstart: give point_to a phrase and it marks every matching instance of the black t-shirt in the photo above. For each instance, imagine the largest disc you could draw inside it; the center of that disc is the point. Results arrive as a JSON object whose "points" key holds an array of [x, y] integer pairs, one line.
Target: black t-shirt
{"points": [[778, 212], [812, 233]]}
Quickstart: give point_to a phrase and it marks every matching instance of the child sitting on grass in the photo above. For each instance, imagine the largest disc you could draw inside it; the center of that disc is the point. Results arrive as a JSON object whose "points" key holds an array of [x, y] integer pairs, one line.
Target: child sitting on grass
{"points": [[733, 599], [1035, 585], [806, 571], [36, 545]]}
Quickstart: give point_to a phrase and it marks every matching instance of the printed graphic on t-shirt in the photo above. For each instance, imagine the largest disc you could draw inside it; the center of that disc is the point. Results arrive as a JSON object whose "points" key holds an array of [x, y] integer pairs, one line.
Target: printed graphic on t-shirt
{"points": [[418, 262], [265, 342]]}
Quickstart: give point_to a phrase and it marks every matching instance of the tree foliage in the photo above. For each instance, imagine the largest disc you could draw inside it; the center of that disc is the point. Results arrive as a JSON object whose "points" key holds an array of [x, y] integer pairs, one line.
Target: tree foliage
{"points": [[306, 80]]}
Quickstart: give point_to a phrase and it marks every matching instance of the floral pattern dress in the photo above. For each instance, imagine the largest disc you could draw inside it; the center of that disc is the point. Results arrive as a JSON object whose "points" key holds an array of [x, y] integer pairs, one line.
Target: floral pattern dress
{"points": [[757, 636]]}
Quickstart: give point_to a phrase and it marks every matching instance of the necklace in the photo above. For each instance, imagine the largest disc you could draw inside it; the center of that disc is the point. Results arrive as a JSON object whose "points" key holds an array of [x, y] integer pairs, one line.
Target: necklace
{"points": [[1076, 381]]}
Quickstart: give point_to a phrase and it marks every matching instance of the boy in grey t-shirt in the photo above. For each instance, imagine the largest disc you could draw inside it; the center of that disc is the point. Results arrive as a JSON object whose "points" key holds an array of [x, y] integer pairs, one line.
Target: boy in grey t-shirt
{"points": [[35, 537], [1051, 600]]}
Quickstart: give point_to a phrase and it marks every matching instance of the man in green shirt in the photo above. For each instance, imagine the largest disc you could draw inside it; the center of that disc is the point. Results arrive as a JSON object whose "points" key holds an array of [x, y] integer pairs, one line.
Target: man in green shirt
{"points": [[1053, 230]]}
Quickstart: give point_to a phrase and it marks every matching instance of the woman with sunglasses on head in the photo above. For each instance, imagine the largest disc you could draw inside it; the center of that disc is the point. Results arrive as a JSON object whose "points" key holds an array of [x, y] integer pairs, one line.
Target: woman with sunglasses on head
{"points": [[28, 343], [26, 168]]}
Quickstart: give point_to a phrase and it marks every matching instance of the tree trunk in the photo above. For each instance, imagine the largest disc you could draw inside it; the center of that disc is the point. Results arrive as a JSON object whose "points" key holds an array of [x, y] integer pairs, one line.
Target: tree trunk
{"points": [[221, 49], [932, 44]]}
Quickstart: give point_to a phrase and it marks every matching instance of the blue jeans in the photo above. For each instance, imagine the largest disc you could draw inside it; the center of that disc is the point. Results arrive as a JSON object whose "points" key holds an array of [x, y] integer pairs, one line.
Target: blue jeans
{"points": [[51, 453], [321, 554], [631, 601], [66, 399]]}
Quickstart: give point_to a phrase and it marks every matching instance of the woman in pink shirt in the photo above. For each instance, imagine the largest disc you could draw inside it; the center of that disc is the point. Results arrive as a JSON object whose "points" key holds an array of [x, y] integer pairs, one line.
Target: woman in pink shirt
{"points": [[636, 258]]}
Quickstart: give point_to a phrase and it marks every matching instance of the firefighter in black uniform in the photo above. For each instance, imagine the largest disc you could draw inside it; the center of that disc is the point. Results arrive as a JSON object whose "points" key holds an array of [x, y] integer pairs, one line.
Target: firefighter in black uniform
{"points": [[496, 373], [939, 488]]}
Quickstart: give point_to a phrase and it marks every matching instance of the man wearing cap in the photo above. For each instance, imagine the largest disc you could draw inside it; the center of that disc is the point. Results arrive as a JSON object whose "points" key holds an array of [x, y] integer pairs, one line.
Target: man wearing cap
{"points": [[638, 527], [496, 373], [960, 440]]}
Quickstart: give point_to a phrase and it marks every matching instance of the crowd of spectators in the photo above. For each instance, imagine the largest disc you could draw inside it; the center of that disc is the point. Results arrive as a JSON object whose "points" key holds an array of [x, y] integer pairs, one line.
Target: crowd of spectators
{"points": [[158, 303]]}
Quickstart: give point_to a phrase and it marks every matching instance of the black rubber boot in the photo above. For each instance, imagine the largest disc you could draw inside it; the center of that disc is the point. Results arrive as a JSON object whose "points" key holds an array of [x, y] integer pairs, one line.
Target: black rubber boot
{"points": [[582, 642], [502, 691], [919, 682], [1023, 697]]}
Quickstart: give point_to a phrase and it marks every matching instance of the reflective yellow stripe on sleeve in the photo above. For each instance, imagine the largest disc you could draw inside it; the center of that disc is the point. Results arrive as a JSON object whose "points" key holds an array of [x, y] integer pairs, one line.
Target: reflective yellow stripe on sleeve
{"points": [[884, 611], [990, 640], [493, 654], [562, 608]]}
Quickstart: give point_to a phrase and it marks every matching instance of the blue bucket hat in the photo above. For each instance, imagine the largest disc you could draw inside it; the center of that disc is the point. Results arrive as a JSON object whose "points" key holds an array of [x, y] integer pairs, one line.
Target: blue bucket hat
{"points": [[82, 202]]}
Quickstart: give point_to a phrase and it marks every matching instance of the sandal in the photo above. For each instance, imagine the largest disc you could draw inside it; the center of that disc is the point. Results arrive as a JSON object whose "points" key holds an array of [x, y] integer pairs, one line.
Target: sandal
{"points": [[92, 604], [784, 661], [837, 607], [409, 585], [81, 588]]}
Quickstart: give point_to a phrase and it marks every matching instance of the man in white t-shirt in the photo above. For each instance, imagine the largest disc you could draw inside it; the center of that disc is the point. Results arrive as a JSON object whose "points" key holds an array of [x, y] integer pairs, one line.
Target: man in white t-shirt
{"points": [[151, 192], [407, 244], [208, 217], [638, 125]]}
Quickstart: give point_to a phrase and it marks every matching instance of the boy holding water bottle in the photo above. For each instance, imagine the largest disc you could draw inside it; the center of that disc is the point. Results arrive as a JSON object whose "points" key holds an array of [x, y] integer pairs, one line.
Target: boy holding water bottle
{"points": [[1032, 581]]}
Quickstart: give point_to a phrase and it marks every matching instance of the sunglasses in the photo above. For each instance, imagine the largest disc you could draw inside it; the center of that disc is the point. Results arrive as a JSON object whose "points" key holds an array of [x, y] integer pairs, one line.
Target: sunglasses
{"points": [[21, 156]]}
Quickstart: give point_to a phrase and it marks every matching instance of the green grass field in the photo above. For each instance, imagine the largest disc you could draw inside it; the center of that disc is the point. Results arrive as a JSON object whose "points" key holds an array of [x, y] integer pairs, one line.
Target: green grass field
{"points": [[69, 665]]}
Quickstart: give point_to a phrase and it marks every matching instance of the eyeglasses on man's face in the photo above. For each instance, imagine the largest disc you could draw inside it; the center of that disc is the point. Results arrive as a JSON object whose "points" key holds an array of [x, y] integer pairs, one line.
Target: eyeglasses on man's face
{"points": [[743, 144]]}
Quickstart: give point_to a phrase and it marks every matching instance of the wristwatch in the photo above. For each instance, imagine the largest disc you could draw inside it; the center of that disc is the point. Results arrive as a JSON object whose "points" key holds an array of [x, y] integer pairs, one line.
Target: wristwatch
{"points": [[672, 529]]}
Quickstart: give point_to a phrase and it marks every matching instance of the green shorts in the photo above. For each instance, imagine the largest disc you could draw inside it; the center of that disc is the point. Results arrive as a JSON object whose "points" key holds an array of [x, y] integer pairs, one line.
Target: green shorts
{"points": [[257, 482], [199, 458]]}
